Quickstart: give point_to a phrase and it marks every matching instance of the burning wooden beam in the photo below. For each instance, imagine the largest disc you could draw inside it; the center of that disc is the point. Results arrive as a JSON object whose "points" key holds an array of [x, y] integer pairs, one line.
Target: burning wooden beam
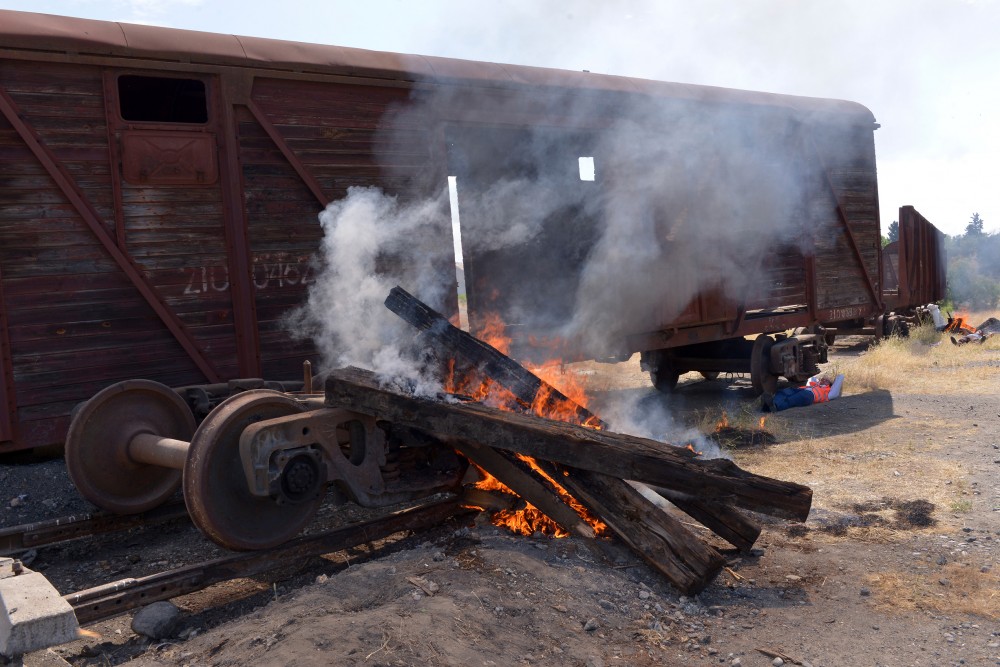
{"points": [[729, 523], [658, 537], [589, 462], [622, 456], [525, 385], [479, 430], [498, 464]]}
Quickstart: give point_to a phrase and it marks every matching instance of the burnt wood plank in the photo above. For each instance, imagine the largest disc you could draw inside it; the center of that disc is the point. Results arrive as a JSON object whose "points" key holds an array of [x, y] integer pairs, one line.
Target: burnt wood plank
{"points": [[620, 455], [525, 385], [500, 465], [727, 522], [662, 540]]}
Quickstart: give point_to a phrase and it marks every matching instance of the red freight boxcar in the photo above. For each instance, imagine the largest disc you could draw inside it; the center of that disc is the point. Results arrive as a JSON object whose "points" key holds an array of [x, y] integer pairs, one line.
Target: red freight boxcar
{"points": [[159, 192]]}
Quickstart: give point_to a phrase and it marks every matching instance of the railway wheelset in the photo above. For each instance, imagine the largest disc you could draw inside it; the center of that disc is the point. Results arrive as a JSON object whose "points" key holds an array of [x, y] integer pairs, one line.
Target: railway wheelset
{"points": [[255, 464]]}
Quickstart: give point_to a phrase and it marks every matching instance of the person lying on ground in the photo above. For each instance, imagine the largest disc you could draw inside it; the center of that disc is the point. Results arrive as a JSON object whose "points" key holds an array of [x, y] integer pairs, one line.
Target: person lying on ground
{"points": [[818, 389], [974, 337]]}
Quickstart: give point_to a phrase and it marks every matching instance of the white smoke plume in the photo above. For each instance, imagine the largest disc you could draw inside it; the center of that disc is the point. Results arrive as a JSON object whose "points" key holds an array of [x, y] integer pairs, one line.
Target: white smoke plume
{"points": [[647, 416], [690, 197], [372, 243]]}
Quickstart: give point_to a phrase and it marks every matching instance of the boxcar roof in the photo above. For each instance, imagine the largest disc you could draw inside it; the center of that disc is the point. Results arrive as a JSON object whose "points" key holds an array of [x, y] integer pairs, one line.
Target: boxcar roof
{"points": [[60, 34]]}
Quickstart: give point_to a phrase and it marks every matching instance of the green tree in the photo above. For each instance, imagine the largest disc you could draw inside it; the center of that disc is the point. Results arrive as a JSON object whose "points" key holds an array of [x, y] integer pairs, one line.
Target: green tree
{"points": [[969, 286], [975, 226], [894, 231]]}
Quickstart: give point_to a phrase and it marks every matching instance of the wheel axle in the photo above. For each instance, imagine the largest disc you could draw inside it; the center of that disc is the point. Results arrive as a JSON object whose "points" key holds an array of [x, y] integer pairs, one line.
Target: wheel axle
{"points": [[133, 444]]}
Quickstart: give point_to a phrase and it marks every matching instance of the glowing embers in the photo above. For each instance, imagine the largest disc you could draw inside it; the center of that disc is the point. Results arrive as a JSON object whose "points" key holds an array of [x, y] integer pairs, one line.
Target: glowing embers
{"points": [[529, 520], [737, 435], [560, 397]]}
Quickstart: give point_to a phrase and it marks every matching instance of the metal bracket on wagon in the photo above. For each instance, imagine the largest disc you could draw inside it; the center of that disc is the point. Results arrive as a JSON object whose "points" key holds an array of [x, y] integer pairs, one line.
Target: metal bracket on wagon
{"points": [[798, 357], [277, 454]]}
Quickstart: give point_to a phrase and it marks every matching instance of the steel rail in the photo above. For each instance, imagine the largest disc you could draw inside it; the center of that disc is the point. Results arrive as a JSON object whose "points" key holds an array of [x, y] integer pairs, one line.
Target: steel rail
{"points": [[64, 529], [108, 600]]}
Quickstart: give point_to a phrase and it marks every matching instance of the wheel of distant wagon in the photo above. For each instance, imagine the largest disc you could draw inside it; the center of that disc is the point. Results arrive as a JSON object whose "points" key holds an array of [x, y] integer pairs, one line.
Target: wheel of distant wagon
{"points": [[664, 377], [897, 326], [709, 375], [97, 445], [216, 492], [761, 378]]}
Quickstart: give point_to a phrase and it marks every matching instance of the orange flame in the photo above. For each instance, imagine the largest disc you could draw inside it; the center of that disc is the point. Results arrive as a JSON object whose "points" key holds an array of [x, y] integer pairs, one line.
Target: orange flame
{"points": [[545, 404], [723, 422], [761, 423], [959, 324], [691, 449]]}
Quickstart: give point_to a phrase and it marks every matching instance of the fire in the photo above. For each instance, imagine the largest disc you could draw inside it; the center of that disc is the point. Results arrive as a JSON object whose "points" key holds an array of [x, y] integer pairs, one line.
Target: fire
{"points": [[723, 422], [959, 324], [694, 451], [494, 332], [531, 520], [760, 424], [546, 403]]}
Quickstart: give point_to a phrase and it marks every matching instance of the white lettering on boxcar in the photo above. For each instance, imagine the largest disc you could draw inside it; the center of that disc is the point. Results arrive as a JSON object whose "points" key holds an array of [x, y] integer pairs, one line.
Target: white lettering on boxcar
{"points": [[837, 314], [269, 272]]}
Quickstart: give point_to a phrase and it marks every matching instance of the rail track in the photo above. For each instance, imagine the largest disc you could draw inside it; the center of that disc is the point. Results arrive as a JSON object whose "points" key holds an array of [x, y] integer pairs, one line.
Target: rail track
{"points": [[111, 599], [56, 531]]}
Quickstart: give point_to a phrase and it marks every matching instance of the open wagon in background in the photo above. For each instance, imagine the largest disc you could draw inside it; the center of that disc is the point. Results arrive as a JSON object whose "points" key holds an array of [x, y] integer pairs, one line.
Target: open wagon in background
{"points": [[914, 269], [159, 191]]}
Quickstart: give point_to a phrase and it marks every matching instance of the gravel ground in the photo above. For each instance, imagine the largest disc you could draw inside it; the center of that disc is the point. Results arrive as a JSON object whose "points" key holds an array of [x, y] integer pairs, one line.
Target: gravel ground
{"points": [[895, 577]]}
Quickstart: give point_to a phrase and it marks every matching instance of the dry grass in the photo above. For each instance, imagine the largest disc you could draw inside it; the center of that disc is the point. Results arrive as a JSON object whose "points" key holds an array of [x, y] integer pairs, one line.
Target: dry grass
{"points": [[746, 416], [924, 363], [956, 588], [897, 457]]}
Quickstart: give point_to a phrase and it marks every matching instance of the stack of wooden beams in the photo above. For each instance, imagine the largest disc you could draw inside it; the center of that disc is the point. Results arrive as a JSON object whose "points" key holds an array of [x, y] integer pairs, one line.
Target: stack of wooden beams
{"points": [[599, 468]]}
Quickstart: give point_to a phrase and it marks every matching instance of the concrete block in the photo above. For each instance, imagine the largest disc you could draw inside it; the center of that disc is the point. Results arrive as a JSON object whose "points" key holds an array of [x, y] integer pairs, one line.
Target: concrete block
{"points": [[33, 615]]}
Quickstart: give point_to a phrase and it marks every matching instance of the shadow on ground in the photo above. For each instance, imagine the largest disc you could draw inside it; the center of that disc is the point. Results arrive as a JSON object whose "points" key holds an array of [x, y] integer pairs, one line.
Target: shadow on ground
{"points": [[693, 399]]}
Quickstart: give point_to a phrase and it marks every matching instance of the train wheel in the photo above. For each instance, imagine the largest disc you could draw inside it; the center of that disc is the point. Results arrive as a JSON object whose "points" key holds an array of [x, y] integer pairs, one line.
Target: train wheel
{"points": [[215, 487], [97, 444], [896, 326], [761, 378], [664, 377], [709, 375]]}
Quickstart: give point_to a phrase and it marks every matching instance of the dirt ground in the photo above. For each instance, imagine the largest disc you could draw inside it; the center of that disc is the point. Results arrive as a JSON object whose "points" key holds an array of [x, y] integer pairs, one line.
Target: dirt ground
{"points": [[896, 565]]}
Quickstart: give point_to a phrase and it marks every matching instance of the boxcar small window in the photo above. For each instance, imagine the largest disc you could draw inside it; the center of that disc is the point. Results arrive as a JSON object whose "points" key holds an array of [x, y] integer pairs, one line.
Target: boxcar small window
{"points": [[156, 99]]}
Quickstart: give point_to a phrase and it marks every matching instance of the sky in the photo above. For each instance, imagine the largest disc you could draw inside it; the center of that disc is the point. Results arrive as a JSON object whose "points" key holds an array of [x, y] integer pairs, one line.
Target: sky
{"points": [[929, 70]]}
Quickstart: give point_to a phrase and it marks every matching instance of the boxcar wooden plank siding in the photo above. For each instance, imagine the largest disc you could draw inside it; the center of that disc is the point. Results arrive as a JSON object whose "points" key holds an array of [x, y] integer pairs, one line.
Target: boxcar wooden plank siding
{"points": [[106, 369], [77, 321], [102, 352], [53, 337], [70, 122], [320, 129]]}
